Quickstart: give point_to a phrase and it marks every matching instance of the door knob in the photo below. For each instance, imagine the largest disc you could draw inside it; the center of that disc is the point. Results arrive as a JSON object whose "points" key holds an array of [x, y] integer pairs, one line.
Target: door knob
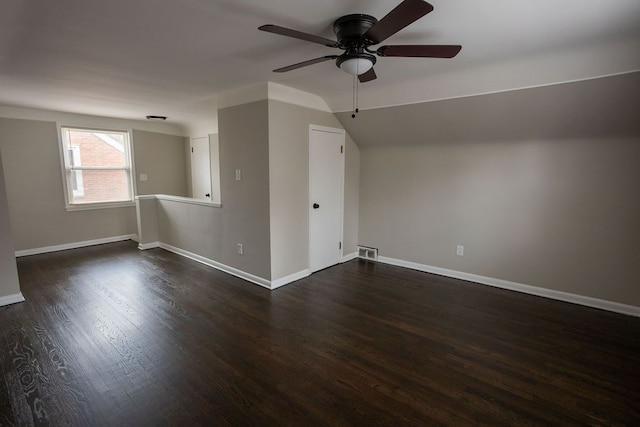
{"points": [[316, 206], [207, 195]]}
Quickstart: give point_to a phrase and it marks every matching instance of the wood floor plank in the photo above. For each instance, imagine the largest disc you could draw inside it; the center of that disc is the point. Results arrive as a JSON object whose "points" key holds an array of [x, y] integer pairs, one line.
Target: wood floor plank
{"points": [[111, 335]]}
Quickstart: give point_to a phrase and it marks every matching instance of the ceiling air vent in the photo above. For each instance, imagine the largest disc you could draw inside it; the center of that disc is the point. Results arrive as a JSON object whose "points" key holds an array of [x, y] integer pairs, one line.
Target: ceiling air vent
{"points": [[367, 253]]}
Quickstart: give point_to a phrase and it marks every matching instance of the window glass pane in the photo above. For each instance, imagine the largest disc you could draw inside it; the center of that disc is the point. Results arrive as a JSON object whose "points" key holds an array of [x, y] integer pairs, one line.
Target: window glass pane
{"points": [[98, 148], [101, 186]]}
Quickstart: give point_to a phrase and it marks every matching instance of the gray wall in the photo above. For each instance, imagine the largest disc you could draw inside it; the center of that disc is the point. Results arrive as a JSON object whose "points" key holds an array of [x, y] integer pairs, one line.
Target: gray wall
{"points": [[162, 158], [33, 177], [197, 229], [244, 144], [34, 190], [541, 186], [147, 216], [561, 215], [9, 284], [289, 186]]}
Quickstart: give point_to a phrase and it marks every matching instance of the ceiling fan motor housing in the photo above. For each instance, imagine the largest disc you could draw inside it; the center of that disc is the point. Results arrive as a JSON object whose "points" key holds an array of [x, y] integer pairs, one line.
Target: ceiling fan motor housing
{"points": [[350, 28]]}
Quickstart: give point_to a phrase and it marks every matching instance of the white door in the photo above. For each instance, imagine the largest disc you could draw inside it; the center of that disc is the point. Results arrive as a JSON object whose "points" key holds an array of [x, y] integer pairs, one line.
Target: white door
{"points": [[201, 168], [326, 182]]}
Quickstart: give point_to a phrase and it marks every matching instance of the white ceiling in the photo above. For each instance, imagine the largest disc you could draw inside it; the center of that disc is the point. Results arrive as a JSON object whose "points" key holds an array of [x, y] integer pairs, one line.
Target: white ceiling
{"points": [[128, 59]]}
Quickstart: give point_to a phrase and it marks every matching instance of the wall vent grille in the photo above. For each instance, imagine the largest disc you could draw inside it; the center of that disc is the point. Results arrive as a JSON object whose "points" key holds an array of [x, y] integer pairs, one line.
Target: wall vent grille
{"points": [[367, 253]]}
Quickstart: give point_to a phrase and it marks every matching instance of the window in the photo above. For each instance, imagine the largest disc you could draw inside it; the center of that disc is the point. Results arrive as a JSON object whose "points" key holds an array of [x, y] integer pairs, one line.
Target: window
{"points": [[97, 167]]}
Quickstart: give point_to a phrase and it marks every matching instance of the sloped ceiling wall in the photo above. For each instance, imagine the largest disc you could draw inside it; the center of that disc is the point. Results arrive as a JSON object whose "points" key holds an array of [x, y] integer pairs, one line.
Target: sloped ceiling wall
{"points": [[589, 108]]}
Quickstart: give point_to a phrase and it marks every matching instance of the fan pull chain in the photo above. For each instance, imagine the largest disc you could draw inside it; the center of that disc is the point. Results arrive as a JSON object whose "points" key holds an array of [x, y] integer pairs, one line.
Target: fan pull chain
{"points": [[356, 82], [355, 97], [357, 93]]}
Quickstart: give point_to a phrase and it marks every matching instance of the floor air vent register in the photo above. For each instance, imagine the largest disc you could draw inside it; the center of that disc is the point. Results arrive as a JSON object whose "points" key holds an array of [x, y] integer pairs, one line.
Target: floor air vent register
{"points": [[365, 252]]}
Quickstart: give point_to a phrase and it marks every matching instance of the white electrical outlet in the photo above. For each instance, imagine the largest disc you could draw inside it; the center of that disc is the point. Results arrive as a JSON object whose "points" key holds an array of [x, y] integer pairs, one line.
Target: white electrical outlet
{"points": [[240, 249], [238, 175], [143, 177], [460, 250]]}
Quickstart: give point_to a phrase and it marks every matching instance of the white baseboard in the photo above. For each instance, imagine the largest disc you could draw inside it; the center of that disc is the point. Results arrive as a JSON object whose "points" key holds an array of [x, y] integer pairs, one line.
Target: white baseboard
{"points": [[11, 299], [222, 267], [349, 257], [290, 278], [519, 287], [145, 246], [274, 284], [75, 245]]}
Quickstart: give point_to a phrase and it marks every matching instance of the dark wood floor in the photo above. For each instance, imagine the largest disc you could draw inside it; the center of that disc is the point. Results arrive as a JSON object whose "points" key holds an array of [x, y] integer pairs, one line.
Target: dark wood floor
{"points": [[110, 335]]}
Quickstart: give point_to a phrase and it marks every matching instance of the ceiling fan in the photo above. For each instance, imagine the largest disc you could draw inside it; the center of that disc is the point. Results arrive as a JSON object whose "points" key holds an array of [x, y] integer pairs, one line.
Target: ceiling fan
{"points": [[356, 33]]}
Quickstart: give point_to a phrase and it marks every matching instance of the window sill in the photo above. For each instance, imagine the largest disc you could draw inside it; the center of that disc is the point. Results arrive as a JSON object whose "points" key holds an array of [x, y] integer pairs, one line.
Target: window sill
{"points": [[92, 206]]}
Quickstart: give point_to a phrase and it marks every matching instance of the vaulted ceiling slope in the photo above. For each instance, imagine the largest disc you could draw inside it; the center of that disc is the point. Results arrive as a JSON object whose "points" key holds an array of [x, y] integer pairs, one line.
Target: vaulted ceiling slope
{"points": [[602, 107], [132, 58]]}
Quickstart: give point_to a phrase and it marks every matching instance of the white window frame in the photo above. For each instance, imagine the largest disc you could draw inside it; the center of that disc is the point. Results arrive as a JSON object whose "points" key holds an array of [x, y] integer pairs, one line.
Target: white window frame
{"points": [[67, 184], [75, 152]]}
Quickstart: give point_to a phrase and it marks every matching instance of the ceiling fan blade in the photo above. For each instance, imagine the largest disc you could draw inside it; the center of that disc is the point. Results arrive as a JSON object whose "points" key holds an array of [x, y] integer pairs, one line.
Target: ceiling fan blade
{"points": [[305, 63], [275, 29], [420, 51], [368, 76], [404, 14]]}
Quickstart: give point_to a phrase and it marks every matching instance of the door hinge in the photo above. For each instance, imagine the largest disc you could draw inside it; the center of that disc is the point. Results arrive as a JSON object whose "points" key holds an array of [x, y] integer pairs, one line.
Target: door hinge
{"points": [[192, 149], [339, 245], [341, 149]]}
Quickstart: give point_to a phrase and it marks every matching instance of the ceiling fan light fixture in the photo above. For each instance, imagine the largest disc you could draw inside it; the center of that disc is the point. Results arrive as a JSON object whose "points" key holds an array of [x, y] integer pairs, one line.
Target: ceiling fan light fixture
{"points": [[357, 64]]}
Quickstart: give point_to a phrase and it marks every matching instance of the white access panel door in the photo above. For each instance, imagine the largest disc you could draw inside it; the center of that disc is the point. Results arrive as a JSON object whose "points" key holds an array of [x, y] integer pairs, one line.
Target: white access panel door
{"points": [[200, 168], [326, 186]]}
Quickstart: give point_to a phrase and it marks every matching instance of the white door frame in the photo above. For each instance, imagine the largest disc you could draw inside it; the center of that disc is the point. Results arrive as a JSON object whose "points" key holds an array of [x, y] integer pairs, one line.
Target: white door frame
{"points": [[318, 128]]}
